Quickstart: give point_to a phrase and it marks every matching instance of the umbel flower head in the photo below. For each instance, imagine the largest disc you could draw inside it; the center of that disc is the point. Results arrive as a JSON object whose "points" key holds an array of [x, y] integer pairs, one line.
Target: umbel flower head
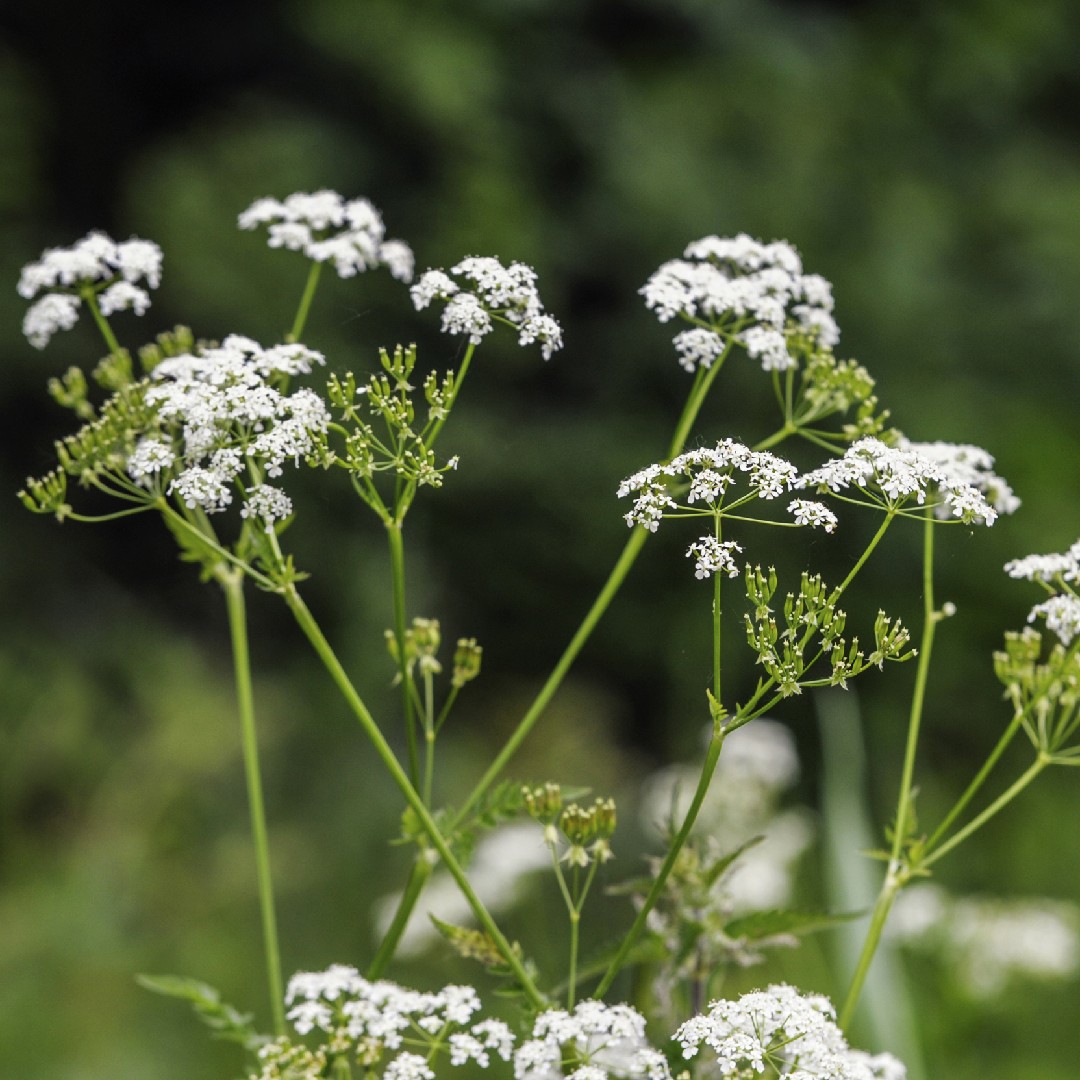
{"points": [[793, 1035], [96, 269], [327, 228], [698, 483], [381, 1025], [738, 285], [207, 427], [488, 293], [896, 476]]}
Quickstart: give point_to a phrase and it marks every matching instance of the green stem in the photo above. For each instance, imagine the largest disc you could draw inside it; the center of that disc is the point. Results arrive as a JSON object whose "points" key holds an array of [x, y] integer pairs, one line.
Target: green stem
{"points": [[998, 804], [638, 925], [232, 582], [88, 295], [310, 627], [554, 680], [305, 302], [894, 882], [466, 360], [918, 698], [397, 569], [421, 871], [980, 778], [897, 875]]}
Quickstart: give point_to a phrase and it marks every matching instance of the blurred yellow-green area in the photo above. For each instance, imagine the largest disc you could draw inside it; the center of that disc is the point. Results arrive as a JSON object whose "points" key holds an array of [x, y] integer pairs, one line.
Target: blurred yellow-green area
{"points": [[925, 158]]}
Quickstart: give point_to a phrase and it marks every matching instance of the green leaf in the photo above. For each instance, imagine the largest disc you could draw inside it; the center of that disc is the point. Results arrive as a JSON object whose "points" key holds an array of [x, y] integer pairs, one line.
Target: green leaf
{"points": [[225, 1021]]}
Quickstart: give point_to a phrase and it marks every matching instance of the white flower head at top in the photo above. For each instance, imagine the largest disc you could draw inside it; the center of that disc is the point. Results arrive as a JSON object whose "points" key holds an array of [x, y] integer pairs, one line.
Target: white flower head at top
{"points": [[95, 267], [894, 476], [782, 1031], [328, 228], [478, 292], [738, 285]]}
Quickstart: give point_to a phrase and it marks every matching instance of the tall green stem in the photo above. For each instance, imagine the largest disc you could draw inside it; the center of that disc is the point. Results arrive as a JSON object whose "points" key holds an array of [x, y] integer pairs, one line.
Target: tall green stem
{"points": [[554, 680], [87, 294], [397, 569], [421, 871], [712, 756], [232, 582], [897, 875], [310, 627], [305, 302]]}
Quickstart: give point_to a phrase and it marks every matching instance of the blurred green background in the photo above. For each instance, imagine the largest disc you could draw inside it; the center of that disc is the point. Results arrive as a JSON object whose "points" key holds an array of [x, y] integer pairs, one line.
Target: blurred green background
{"points": [[925, 160]]}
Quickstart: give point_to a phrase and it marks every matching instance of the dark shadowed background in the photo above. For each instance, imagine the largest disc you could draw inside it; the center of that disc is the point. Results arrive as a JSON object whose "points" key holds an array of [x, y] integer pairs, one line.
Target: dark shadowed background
{"points": [[925, 160]]}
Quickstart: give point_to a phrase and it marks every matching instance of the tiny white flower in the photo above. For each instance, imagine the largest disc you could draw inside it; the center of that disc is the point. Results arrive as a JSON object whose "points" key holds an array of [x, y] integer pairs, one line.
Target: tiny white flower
{"points": [[814, 514], [711, 557], [53, 312]]}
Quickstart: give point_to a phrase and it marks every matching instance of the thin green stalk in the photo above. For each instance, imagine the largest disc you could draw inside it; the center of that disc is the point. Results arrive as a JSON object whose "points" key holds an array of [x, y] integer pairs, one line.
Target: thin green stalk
{"points": [[397, 570], [88, 294], [466, 360], [896, 876], [712, 756], [918, 698], [305, 302], [1040, 763], [421, 871], [891, 887], [232, 582], [977, 782], [717, 613], [554, 680], [326, 654]]}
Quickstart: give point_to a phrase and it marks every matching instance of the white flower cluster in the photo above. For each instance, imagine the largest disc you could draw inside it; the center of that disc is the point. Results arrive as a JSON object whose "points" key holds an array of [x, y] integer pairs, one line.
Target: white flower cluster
{"points": [[711, 472], [327, 228], [218, 408], [380, 1023], [902, 474], [1062, 615], [1063, 567], [793, 1035], [760, 286], [108, 269], [714, 557], [603, 1041], [1059, 571], [971, 465], [988, 943], [506, 292]]}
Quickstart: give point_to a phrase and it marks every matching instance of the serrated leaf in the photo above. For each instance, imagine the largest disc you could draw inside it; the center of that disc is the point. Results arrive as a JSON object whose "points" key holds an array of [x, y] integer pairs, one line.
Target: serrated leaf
{"points": [[225, 1021], [764, 924], [712, 875]]}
